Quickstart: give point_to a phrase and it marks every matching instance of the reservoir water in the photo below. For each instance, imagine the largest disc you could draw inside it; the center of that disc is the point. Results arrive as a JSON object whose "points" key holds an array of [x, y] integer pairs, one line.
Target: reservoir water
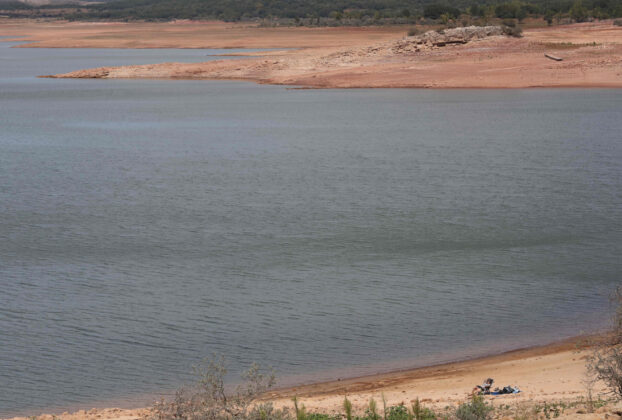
{"points": [[147, 224]]}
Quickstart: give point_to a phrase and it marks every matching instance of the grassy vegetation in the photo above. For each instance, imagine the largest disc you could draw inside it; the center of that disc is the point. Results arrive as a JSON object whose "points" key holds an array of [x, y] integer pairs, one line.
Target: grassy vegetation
{"points": [[567, 45], [476, 409]]}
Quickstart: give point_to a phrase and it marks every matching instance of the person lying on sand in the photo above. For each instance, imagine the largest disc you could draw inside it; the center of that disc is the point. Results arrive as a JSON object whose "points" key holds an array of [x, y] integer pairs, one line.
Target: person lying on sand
{"points": [[483, 389], [506, 390]]}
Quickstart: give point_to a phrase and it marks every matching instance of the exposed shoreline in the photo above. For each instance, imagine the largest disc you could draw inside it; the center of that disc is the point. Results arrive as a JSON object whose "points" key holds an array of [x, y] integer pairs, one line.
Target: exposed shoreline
{"points": [[184, 35], [545, 373], [381, 57], [365, 382], [493, 62]]}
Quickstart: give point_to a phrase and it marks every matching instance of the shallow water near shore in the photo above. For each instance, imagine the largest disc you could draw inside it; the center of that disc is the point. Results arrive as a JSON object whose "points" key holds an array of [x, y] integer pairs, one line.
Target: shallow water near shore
{"points": [[146, 224]]}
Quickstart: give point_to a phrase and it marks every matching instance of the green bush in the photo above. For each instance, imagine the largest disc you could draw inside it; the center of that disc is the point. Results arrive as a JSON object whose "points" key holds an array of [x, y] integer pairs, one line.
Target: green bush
{"points": [[422, 413], [617, 22], [347, 406], [578, 12], [476, 409], [371, 412], [320, 416], [435, 11], [301, 411], [398, 412]]}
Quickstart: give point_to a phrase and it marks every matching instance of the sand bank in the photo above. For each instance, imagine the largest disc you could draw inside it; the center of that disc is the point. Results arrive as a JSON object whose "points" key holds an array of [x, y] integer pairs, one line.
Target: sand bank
{"points": [[549, 373], [553, 372], [359, 57], [185, 34]]}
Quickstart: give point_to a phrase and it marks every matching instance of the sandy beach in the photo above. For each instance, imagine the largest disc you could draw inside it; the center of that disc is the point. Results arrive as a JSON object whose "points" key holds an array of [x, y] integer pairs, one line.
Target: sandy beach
{"points": [[382, 57], [552, 373]]}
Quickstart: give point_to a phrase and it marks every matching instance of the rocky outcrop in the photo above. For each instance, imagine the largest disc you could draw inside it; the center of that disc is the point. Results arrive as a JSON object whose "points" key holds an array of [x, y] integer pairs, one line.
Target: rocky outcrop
{"points": [[445, 37]]}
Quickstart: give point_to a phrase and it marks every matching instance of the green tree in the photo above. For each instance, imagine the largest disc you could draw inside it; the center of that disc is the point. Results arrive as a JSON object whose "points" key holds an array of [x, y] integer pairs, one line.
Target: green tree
{"points": [[578, 12], [475, 10], [548, 17]]}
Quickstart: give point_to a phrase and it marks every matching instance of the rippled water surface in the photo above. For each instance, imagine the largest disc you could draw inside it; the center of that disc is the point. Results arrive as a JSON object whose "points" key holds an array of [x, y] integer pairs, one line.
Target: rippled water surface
{"points": [[147, 224]]}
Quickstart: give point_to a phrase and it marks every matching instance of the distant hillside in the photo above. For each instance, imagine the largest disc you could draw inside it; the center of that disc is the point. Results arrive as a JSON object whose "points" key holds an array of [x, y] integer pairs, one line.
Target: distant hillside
{"points": [[33, 4], [239, 9], [351, 9], [336, 11]]}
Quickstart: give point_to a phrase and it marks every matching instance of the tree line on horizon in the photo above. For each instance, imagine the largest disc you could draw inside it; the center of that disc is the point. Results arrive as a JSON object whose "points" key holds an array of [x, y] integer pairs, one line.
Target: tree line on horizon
{"points": [[344, 11]]}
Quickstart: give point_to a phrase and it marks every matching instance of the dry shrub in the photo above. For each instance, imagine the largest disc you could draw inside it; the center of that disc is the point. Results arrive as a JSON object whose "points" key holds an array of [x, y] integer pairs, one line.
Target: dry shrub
{"points": [[208, 400], [605, 363], [515, 31]]}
